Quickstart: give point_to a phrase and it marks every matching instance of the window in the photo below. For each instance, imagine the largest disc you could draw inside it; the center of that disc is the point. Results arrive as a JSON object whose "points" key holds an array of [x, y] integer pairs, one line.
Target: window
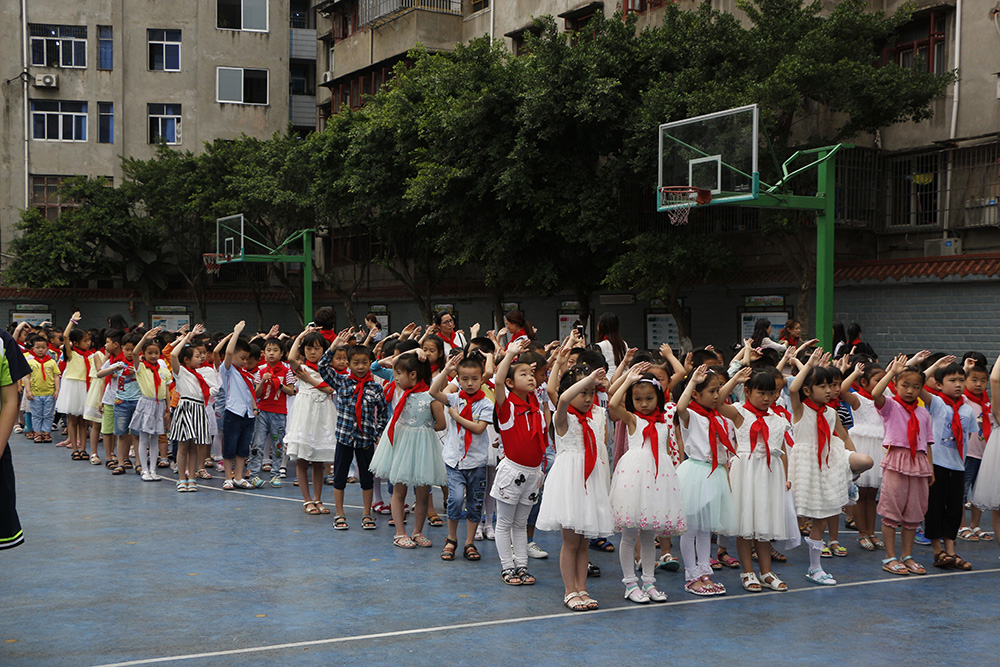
{"points": [[479, 5], [165, 123], [921, 44], [301, 79], [236, 85], [55, 120], [242, 15], [299, 17], [105, 47], [58, 45], [915, 186], [164, 50], [45, 196], [105, 123]]}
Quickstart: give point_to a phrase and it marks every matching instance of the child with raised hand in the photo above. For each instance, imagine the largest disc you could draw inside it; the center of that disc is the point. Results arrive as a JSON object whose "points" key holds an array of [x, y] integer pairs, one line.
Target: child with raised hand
{"points": [[977, 379], [275, 380], [907, 469], [75, 383], [645, 494], [42, 388], [868, 435], [241, 408], [466, 449], [408, 453], [707, 498], [820, 466], [576, 494], [189, 427], [985, 495], [758, 478], [152, 413]]}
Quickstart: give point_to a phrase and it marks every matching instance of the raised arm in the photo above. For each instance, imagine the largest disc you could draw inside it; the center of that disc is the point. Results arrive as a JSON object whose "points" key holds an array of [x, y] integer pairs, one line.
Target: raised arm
{"points": [[845, 387], [698, 376], [925, 395], [896, 365], [503, 369], [616, 406], [559, 419], [800, 379], [175, 354], [67, 346], [730, 411], [440, 380], [231, 346], [293, 353]]}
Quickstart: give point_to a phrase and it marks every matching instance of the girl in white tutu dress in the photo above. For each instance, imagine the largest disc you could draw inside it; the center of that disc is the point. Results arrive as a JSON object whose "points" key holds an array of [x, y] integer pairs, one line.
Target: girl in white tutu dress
{"points": [[576, 489], [757, 477], [645, 493], [868, 435], [708, 500], [986, 492]]}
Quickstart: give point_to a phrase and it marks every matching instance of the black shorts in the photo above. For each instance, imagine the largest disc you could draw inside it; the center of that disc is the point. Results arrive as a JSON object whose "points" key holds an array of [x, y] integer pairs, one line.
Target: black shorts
{"points": [[10, 527]]}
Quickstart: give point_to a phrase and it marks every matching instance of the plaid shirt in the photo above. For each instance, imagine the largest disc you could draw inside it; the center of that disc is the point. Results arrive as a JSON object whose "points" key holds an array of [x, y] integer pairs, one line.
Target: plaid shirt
{"points": [[374, 411]]}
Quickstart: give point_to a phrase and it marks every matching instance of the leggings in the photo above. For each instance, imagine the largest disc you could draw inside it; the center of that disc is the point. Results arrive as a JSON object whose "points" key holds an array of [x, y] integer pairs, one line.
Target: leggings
{"points": [[489, 502], [695, 548], [647, 550], [148, 451], [512, 526]]}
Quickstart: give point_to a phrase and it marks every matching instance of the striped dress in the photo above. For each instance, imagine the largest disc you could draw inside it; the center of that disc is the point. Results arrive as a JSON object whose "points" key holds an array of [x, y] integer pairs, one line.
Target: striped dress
{"points": [[190, 419]]}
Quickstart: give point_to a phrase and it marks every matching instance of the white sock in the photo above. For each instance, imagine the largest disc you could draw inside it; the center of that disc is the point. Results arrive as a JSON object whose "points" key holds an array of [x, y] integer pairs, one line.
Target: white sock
{"points": [[815, 549]]}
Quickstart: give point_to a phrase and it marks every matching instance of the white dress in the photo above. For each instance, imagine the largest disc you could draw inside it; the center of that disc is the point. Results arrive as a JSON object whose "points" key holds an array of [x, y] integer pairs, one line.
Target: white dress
{"points": [[708, 499], [566, 503], [868, 436], [311, 433], [758, 490], [643, 496], [820, 490], [986, 492]]}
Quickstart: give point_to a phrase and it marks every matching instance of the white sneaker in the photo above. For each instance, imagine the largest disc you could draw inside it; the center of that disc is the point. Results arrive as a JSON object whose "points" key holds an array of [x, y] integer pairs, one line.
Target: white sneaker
{"points": [[535, 551], [147, 477], [154, 477]]}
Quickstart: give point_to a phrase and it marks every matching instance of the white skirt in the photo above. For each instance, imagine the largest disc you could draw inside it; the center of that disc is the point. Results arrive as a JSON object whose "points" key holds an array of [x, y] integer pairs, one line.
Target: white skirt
{"points": [[311, 433], [72, 397], [819, 491], [644, 499], [761, 498], [872, 446], [986, 492], [567, 504], [148, 416], [190, 422]]}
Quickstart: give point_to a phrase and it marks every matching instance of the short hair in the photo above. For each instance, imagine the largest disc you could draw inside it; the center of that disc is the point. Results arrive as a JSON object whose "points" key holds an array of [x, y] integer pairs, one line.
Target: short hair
{"points": [[532, 358], [255, 351], [313, 339], [761, 380], [359, 350], [978, 356], [472, 361], [186, 352], [325, 318], [406, 345], [484, 343], [703, 356], [132, 337], [242, 345], [593, 358], [953, 368], [977, 369], [389, 347], [114, 335], [274, 341], [37, 339]]}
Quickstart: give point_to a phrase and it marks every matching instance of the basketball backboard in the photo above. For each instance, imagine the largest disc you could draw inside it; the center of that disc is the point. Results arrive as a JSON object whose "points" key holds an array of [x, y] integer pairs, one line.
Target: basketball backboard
{"points": [[715, 152]]}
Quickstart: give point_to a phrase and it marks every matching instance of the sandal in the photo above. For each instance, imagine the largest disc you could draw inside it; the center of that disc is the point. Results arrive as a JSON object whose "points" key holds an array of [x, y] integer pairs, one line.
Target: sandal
{"points": [[328, 480], [850, 524], [76, 456], [893, 566], [968, 535], [229, 486], [420, 540], [39, 438], [95, 460], [652, 593], [771, 581], [509, 576], [727, 560], [403, 542], [579, 605], [339, 521], [826, 553], [716, 565], [717, 589], [866, 543], [47, 438], [635, 594], [913, 566], [309, 507], [127, 464], [434, 521], [203, 474], [381, 508], [528, 580], [703, 591], [838, 550], [750, 582], [111, 463], [470, 552], [367, 523], [806, 528], [322, 508], [777, 556], [602, 544], [985, 536], [118, 470], [591, 602], [879, 544], [958, 563], [943, 560], [448, 552], [162, 463], [820, 577], [593, 570], [668, 563]]}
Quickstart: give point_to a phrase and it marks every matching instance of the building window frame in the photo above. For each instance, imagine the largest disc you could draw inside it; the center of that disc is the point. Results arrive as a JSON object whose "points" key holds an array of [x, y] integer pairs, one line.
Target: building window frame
{"points": [[105, 122], [105, 47], [224, 23], [166, 44], [164, 121], [63, 46], [221, 72], [932, 46], [45, 196], [59, 120]]}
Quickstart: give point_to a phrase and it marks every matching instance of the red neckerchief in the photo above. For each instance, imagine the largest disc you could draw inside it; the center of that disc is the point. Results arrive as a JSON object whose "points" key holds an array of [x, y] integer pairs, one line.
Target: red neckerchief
{"points": [[716, 431], [342, 371], [111, 362], [417, 388], [983, 401], [822, 431], [792, 342], [155, 368], [359, 394], [759, 430], [783, 412], [931, 390], [22, 346], [956, 423], [856, 341], [466, 413], [53, 348], [448, 339], [532, 412], [329, 335], [650, 433], [205, 391], [913, 426], [862, 391], [389, 390], [86, 361], [41, 361], [277, 372], [315, 367], [892, 387], [248, 378], [834, 402], [589, 442]]}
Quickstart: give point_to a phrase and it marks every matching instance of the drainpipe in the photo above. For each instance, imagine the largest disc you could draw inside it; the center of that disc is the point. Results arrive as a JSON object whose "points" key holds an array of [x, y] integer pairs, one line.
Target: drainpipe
{"points": [[492, 8], [24, 98], [954, 116]]}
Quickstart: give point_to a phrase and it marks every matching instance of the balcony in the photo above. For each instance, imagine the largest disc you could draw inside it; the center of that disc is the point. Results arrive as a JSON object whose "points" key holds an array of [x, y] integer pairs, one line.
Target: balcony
{"points": [[378, 12], [302, 110], [302, 44]]}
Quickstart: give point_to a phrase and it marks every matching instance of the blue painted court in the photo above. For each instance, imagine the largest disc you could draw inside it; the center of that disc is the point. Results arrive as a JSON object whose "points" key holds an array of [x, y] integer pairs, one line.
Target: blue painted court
{"points": [[117, 571]]}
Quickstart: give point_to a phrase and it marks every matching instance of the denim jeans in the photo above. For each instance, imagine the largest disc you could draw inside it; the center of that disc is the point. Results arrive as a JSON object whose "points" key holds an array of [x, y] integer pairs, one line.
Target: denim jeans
{"points": [[41, 408], [268, 427]]}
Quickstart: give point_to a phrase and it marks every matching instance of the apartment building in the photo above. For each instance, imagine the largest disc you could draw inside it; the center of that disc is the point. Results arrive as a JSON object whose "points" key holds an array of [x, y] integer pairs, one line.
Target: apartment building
{"points": [[88, 82]]}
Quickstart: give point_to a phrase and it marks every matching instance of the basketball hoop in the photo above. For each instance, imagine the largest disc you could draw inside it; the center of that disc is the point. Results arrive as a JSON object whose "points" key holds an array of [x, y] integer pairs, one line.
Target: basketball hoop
{"points": [[212, 263], [683, 198]]}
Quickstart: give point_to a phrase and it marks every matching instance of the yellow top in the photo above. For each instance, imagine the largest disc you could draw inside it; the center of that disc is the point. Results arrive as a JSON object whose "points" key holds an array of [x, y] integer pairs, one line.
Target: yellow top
{"points": [[40, 387], [76, 368], [144, 376]]}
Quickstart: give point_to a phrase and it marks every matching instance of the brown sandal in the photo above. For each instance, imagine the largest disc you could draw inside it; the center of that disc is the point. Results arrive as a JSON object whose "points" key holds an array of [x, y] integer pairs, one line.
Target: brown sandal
{"points": [[470, 552], [958, 563], [448, 552], [943, 560]]}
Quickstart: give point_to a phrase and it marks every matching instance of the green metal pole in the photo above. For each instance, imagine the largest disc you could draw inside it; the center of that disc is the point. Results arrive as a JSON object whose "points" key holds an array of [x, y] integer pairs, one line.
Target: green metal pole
{"points": [[826, 182], [307, 275]]}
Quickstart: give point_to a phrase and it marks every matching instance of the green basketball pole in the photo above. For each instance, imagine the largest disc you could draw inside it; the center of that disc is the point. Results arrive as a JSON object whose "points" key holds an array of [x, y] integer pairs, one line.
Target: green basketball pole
{"points": [[826, 184], [306, 258]]}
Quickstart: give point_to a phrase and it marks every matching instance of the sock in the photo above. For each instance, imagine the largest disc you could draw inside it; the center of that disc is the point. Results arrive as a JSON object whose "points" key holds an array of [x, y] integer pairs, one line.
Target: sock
{"points": [[626, 555], [815, 549], [647, 550], [377, 491]]}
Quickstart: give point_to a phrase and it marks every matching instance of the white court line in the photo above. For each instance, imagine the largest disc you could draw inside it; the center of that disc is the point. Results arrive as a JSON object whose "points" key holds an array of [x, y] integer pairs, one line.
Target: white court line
{"points": [[263, 495], [525, 619]]}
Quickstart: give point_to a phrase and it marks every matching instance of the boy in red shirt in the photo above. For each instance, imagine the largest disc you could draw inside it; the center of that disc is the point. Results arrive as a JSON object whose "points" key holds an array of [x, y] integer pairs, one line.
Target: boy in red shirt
{"points": [[274, 380]]}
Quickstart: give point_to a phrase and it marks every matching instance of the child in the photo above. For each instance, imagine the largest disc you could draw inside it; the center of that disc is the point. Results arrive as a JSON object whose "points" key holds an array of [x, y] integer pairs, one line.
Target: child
{"points": [[152, 413], [708, 501], [189, 427], [275, 381], [576, 493], [976, 381], [361, 415], [408, 453], [868, 435], [43, 388], [757, 476], [95, 392], [241, 408], [13, 367], [122, 373], [985, 495], [819, 466], [113, 349], [466, 449], [521, 423], [312, 426], [645, 494], [75, 383], [907, 471]]}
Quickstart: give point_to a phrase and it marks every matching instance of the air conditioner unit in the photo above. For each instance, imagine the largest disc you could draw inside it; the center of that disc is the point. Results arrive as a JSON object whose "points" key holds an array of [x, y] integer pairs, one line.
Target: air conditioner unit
{"points": [[47, 81], [942, 247], [327, 77]]}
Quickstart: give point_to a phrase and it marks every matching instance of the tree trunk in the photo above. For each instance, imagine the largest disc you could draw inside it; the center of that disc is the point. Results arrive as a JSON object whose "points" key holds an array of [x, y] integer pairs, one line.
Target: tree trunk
{"points": [[498, 313], [683, 322], [583, 297]]}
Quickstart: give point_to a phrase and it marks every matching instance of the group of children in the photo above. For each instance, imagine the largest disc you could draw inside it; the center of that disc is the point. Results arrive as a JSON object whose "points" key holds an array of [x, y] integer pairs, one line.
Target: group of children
{"points": [[767, 450]]}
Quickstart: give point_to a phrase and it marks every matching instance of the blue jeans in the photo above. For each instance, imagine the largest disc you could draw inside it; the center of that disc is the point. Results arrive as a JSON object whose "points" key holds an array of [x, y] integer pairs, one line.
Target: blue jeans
{"points": [[267, 424], [41, 408], [123, 417], [466, 487]]}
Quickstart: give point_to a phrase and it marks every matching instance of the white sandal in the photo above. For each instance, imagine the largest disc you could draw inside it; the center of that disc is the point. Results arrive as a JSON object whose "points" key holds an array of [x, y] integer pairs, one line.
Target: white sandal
{"points": [[771, 581], [748, 579], [579, 605], [636, 594]]}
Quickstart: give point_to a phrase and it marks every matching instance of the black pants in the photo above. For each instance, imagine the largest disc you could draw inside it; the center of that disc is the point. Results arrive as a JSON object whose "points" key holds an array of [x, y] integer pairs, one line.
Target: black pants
{"points": [[342, 458], [10, 527], [944, 504]]}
